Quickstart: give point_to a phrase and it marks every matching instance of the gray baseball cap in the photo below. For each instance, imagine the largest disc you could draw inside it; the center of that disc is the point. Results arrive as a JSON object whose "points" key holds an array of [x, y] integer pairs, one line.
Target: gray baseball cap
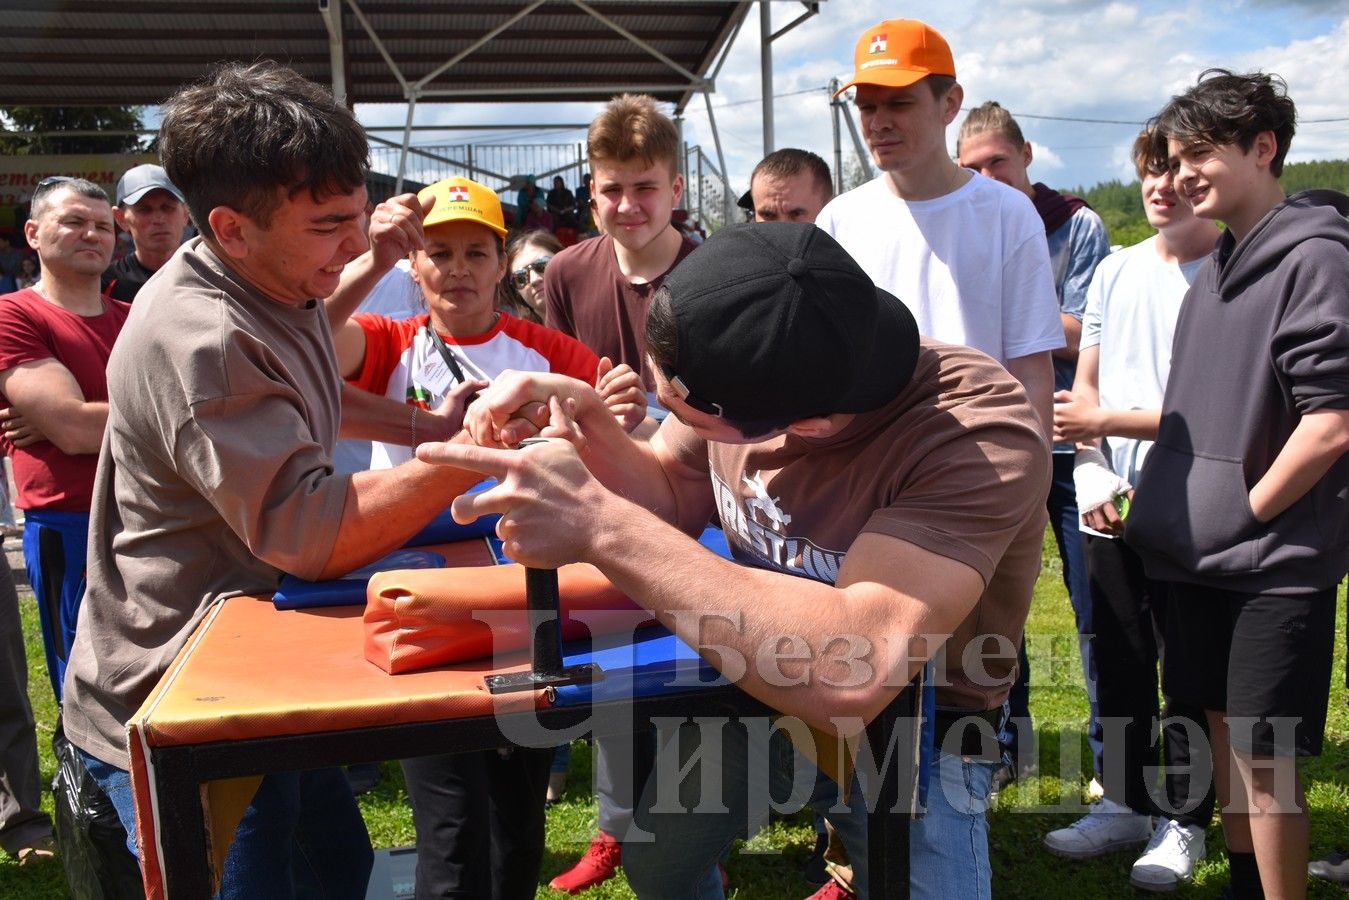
{"points": [[140, 180]]}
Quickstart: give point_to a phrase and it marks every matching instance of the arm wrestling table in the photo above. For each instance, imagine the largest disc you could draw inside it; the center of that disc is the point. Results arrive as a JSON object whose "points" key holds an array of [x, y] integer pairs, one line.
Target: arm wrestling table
{"points": [[259, 690]]}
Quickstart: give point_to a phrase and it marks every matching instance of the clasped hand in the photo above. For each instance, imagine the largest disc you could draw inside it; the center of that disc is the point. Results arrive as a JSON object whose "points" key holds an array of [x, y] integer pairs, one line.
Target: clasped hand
{"points": [[550, 504], [20, 431]]}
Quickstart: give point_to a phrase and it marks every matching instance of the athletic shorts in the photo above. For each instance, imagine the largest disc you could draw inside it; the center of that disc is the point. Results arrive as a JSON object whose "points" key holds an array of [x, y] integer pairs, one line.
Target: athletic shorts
{"points": [[1262, 659]]}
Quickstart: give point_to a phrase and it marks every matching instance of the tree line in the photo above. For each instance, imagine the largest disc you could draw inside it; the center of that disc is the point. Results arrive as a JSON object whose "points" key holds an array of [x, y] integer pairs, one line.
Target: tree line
{"points": [[1120, 204]]}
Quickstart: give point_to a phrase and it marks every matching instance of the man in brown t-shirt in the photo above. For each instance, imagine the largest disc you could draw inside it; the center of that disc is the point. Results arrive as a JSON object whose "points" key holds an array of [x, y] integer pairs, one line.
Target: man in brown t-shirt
{"points": [[880, 491]]}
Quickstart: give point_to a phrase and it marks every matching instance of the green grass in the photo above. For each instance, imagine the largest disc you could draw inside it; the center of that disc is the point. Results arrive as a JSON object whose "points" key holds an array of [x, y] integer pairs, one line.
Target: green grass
{"points": [[769, 866]]}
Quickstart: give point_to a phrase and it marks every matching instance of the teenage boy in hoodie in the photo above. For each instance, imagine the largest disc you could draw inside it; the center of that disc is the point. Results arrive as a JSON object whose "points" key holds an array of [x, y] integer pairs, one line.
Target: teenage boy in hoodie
{"points": [[1242, 506]]}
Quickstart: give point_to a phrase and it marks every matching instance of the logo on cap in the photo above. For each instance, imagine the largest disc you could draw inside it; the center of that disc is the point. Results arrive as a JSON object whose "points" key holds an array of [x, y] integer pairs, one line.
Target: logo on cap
{"points": [[457, 193], [877, 44]]}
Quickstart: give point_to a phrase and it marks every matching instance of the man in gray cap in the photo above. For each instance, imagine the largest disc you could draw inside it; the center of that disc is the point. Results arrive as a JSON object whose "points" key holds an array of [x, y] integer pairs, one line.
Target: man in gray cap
{"points": [[154, 212]]}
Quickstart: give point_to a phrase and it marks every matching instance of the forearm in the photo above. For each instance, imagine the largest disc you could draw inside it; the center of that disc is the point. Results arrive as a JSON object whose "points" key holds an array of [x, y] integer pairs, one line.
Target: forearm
{"points": [[371, 417], [75, 427], [1131, 423], [780, 638], [1036, 374], [626, 465], [847, 648], [1320, 439], [385, 507], [1072, 334]]}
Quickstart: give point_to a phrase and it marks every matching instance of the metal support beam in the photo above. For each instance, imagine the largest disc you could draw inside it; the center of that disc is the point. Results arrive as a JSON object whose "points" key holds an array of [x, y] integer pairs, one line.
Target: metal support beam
{"points": [[602, 90], [486, 38], [436, 157], [379, 45], [697, 83], [834, 113], [331, 11], [812, 9], [766, 71], [409, 94], [766, 38], [726, 48], [495, 126], [721, 161], [407, 142], [863, 154]]}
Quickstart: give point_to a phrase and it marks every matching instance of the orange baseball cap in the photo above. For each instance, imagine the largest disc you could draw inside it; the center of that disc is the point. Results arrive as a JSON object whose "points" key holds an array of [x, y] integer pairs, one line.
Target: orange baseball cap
{"points": [[458, 199], [898, 53]]}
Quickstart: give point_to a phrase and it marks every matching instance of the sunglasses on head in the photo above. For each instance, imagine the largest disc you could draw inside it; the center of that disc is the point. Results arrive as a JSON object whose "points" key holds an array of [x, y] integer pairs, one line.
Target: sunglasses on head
{"points": [[521, 275]]}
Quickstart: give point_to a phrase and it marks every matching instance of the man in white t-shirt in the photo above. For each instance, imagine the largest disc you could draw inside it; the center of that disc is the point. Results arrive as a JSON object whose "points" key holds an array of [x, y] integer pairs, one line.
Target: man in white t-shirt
{"points": [[965, 253], [1125, 358]]}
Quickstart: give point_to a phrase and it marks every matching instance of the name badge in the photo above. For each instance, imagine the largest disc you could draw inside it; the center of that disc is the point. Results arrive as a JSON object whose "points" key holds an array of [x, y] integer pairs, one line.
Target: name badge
{"points": [[435, 376]]}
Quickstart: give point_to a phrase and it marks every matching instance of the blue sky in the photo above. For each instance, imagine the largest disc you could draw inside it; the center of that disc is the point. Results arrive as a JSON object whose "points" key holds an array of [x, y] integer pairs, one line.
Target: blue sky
{"points": [[1082, 59]]}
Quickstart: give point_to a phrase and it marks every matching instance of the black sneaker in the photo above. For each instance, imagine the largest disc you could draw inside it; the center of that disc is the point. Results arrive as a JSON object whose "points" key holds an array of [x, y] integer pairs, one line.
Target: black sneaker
{"points": [[815, 872]]}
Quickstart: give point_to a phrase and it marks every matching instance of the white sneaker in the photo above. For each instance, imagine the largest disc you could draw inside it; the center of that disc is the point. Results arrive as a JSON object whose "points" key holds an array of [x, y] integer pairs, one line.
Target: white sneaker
{"points": [[1170, 856], [1106, 826]]}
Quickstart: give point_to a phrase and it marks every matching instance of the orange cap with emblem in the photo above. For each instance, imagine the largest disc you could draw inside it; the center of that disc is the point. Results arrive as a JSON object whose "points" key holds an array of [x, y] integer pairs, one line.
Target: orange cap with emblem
{"points": [[898, 53]]}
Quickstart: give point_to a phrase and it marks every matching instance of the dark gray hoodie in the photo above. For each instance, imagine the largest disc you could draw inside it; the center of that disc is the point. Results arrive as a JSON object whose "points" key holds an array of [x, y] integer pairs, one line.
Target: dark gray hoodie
{"points": [[1262, 339]]}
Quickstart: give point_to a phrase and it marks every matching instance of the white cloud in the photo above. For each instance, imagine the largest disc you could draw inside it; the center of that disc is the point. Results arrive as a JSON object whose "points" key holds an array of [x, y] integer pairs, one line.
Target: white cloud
{"points": [[1315, 70], [1045, 158], [1074, 59]]}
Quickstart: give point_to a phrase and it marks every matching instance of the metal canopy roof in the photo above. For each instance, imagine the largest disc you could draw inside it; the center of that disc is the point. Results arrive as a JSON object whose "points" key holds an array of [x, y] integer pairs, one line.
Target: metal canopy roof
{"points": [[138, 52]]}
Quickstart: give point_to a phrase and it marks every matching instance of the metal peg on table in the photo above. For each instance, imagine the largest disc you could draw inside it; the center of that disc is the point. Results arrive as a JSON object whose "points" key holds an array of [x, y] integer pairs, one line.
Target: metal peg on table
{"points": [[543, 603]]}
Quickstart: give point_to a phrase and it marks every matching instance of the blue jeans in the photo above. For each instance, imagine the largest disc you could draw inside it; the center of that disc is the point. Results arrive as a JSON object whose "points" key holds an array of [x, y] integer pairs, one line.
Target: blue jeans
{"points": [[1063, 519], [679, 836], [302, 836], [948, 845]]}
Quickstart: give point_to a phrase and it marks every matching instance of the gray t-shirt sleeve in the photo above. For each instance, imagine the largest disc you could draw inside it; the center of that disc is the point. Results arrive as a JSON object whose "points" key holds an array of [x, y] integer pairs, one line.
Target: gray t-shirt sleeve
{"points": [[252, 455]]}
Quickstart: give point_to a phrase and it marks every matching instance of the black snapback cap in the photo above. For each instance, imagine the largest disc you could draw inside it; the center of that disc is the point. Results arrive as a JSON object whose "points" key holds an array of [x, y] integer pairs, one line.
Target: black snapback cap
{"points": [[775, 321]]}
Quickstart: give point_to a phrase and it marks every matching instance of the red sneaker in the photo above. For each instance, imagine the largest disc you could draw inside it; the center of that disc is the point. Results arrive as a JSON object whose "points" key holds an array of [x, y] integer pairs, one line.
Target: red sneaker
{"points": [[598, 863], [832, 890]]}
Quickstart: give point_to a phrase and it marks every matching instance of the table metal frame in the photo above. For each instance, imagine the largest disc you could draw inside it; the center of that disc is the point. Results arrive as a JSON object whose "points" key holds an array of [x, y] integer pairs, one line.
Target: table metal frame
{"points": [[181, 771]]}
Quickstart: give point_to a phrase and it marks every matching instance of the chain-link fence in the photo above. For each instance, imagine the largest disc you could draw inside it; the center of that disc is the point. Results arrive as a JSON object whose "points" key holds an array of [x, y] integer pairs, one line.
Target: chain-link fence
{"points": [[708, 197]]}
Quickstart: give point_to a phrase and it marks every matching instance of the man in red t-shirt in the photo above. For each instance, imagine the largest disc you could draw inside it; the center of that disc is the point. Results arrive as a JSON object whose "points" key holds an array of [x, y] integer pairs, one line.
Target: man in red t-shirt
{"points": [[55, 338]]}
